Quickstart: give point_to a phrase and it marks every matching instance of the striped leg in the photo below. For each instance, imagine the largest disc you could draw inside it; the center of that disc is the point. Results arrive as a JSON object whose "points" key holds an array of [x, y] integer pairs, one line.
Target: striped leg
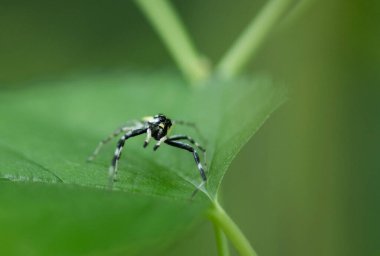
{"points": [[192, 125], [148, 137], [196, 158], [108, 139], [192, 141], [119, 148], [159, 143]]}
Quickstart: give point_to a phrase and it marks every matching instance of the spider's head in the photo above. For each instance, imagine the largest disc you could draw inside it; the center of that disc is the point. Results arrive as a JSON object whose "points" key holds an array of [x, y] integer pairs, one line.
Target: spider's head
{"points": [[160, 126]]}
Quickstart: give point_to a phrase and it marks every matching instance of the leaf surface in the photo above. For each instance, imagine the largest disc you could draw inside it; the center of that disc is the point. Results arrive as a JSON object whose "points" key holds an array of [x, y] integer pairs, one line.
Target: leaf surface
{"points": [[48, 131]]}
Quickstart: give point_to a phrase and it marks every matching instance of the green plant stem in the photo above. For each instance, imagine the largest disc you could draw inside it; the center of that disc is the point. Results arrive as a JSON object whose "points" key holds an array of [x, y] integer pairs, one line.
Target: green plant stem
{"points": [[221, 241], [252, 38], [166, 22], [298, 10], [220, 219]]}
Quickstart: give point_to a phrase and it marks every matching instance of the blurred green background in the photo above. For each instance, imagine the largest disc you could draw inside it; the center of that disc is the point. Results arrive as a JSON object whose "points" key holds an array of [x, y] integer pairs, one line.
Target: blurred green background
{"points": [[308, 182]]}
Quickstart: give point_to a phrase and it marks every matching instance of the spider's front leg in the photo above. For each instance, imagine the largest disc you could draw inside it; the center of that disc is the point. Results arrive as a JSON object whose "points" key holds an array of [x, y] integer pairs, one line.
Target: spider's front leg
{"points": [[196, 158], [163, 139], [148, 137], [192, 141], [119, 148]]}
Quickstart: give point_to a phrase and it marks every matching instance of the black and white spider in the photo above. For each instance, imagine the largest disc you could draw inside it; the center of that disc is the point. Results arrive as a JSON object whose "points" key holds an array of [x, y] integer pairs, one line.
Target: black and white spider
{"points": [[158, 128]]}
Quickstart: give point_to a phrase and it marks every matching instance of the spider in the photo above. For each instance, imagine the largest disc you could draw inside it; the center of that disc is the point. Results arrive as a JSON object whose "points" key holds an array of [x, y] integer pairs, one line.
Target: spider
{"points": [[158, 128]]}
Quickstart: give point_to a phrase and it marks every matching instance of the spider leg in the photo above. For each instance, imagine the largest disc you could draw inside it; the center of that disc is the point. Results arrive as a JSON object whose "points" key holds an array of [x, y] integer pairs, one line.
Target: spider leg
{"points": [[196, 158], [192, 141], [163, 139], [109, 138], [148, 137], [119, 148], [192, 125]]}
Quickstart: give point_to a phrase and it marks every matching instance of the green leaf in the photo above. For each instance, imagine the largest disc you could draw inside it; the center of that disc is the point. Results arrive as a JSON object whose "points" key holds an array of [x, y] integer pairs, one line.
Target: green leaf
{"points": [[48, 131], [39, 219]]}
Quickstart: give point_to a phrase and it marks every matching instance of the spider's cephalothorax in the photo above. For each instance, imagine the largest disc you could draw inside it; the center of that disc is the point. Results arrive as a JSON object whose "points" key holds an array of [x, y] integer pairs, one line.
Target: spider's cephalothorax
{"points": [[158, 128]]}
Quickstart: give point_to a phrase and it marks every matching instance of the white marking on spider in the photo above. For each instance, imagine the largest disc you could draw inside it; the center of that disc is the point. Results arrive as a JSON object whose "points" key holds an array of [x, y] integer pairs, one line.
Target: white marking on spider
{"points": [[161, 140], [148, 135], [117, 151]]}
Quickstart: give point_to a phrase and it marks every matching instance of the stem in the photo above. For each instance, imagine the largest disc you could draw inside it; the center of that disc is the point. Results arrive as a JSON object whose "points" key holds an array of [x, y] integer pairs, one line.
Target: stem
{"points": [[167, 24], [220, 237], [299, 9], [220, 218], [252, 38], [221, 241]]}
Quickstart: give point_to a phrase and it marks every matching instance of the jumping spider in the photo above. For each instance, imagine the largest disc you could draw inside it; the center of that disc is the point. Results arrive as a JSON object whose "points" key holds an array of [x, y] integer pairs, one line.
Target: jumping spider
{"points": [[158, 128]]}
